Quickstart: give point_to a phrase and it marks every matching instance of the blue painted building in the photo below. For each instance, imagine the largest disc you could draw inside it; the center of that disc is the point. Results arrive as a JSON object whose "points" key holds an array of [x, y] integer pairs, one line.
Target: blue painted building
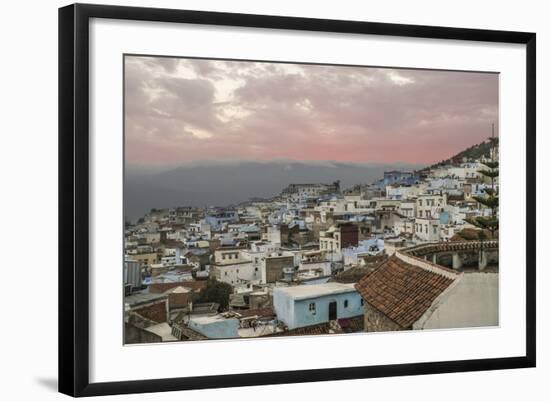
{"points": [[216, 220], [215, 326], [444, 217], [399, 177], [307, 305]]}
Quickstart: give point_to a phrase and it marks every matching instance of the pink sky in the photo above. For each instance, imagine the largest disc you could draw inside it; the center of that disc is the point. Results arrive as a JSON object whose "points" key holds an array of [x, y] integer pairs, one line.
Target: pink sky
{"points": [[182, 110]]}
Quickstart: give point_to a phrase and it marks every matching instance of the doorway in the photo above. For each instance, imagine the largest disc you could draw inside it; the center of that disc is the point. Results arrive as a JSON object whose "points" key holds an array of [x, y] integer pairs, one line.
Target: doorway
{"points": [[332, 311]]}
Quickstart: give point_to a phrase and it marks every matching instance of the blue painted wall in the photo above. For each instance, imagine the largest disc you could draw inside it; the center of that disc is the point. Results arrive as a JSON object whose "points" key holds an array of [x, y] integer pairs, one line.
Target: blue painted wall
{"points": [[222, 328], [297, 314], [399, 177]]}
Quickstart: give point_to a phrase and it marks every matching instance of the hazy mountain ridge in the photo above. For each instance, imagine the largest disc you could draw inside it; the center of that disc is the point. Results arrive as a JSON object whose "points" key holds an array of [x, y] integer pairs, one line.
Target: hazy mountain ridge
{"points": [[222, 184]]}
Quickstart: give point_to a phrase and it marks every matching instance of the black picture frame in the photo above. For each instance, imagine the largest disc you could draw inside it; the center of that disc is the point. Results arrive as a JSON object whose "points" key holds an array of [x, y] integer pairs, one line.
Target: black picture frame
{"points": [[74, 198]]}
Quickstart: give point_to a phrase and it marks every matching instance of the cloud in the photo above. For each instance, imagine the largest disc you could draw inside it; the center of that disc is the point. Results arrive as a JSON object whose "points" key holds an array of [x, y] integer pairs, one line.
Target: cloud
{"points": [[181, 110]]}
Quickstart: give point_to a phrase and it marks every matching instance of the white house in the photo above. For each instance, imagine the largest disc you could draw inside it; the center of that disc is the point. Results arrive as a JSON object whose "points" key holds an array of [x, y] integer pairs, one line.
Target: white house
{"points": [[428, 206], [408, 208], [324, 266], [427, 229], [234, 266], [306, 305]]}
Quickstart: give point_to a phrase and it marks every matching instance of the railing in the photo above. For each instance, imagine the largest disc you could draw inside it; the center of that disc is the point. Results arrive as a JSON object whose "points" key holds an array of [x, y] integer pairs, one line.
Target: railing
{"points": [[442, 247]]}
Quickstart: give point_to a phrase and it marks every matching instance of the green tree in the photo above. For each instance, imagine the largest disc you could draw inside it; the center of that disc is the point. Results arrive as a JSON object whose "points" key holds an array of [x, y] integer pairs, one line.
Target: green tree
{"points": [[490, 198], [216, 291]]}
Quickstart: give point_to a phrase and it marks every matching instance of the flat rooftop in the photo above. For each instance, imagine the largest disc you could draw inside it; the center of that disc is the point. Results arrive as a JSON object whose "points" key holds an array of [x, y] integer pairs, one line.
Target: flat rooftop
{"points": [[300, 292], [143, 298]]}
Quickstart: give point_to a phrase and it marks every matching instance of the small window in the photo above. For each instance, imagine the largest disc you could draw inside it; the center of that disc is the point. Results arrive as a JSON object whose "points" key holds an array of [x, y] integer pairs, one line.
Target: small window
{"points": [[362, 302], [312, 307], [346, 303]]}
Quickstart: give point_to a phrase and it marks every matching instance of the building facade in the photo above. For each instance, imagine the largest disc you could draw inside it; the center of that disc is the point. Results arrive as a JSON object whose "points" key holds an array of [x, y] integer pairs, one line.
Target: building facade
{"points": [[306, 305]]}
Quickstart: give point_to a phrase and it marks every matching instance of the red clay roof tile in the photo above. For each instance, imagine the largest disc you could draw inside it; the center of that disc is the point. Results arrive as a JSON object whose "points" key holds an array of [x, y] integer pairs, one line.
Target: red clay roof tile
{"points": [[401, 291]]}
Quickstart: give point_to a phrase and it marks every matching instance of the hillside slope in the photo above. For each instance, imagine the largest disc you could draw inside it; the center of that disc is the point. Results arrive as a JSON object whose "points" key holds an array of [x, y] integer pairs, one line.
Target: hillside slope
{"points": [[472, 153]]}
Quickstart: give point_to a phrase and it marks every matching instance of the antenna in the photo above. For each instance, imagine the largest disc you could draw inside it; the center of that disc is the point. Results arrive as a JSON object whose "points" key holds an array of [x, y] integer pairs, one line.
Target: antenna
{"points": [[493, 142]]}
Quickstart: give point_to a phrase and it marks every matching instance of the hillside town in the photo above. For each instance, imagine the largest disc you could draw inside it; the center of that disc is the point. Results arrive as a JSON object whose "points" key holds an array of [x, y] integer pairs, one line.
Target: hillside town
{"points": [[414, 250]]}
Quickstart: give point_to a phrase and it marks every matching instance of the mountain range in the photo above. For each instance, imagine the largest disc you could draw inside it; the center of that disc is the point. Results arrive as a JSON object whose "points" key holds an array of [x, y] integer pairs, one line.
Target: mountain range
{"points": [[223, 184]]}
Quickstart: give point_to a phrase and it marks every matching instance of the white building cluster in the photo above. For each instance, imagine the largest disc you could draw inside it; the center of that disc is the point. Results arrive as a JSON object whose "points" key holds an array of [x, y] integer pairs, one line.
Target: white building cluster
{"points": [[312, 234]]}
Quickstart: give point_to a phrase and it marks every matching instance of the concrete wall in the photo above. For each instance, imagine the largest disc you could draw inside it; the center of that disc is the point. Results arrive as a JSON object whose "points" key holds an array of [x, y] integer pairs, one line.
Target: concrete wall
{"points": [[323, 264], [146, 258], [136, 335], [283, 306], [472, 302], [179, 300], [427, 229], [237, 274], [215, 328], [132, 273], [274, 266]]}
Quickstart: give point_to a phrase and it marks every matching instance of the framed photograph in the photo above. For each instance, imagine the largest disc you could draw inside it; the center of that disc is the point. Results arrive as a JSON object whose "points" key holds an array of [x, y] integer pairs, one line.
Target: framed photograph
{"points": [[252, 199]]}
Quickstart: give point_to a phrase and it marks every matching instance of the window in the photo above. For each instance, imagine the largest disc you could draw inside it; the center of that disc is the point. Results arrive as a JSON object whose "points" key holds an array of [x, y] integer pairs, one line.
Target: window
{"points": [[346, 303], [255, 269], [362, 302], [312, 307]]}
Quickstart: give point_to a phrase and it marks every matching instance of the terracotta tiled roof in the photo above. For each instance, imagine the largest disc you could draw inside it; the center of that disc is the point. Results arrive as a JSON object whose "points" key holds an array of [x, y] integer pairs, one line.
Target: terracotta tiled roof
{"points": [[401, 291]]}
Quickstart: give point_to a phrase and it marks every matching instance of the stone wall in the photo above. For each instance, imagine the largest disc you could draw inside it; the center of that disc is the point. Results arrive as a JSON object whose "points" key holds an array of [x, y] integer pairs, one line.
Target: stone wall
{"points": [[377, 321]]}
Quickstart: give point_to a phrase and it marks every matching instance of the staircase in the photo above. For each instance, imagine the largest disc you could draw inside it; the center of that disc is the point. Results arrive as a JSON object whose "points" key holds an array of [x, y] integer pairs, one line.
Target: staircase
{"points": [[334, 327]]}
